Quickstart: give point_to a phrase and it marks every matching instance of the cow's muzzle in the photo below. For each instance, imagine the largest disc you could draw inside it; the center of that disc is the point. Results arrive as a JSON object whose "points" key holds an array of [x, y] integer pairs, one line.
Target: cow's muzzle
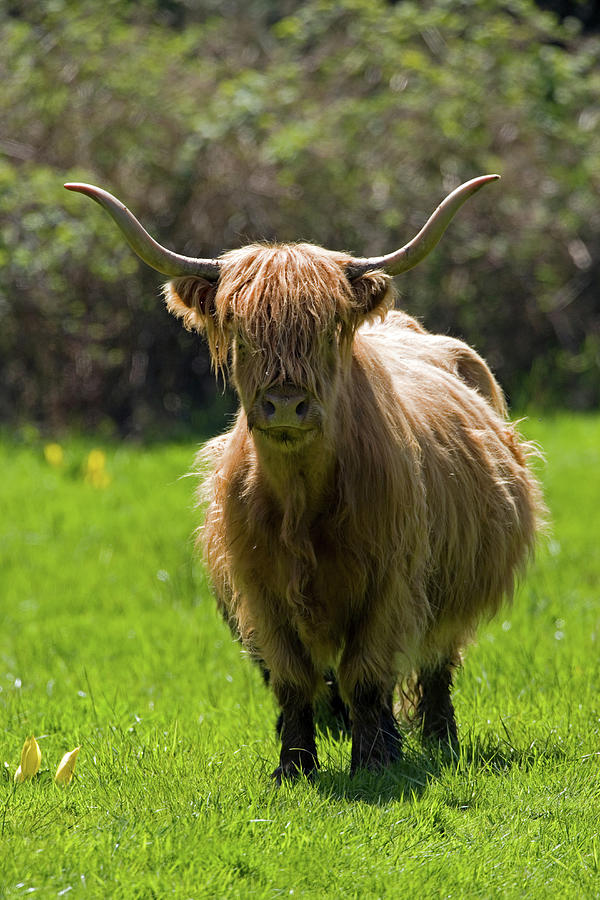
{"points": [[283, 406], [284, 414]]}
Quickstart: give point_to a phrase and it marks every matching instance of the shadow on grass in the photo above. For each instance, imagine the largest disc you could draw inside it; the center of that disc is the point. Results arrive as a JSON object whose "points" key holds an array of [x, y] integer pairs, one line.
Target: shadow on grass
{"points": [[399, 782], [405, 779], [420, 766], [495, 755]]}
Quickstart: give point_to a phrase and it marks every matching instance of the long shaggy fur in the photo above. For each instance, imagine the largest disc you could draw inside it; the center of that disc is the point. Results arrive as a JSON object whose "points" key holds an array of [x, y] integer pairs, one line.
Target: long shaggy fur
{"points": [[378, 548]]}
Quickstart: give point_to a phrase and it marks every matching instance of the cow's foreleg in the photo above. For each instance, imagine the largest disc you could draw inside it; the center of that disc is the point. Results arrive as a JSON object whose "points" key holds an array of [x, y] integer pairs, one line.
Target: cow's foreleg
{"points": [[435, 709], [298, 748], [330, 712], [367, 677], [375, 737]]}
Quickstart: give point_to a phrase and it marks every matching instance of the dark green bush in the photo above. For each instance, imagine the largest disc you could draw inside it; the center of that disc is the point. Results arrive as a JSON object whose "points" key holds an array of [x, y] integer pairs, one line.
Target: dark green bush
{"points": [[342, 123]]}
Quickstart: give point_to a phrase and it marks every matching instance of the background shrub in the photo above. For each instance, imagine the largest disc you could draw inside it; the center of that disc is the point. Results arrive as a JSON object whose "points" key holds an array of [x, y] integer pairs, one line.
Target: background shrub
{"points": [[343, 123]]}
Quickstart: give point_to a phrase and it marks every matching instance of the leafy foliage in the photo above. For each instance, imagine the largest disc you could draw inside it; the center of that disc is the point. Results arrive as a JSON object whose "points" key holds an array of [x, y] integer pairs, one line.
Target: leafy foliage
{"points": [[341, 123]]}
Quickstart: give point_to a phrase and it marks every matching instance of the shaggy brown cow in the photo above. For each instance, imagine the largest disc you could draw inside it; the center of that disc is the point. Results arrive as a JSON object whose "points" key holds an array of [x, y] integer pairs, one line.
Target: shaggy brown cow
{"points": [[371, 503]]}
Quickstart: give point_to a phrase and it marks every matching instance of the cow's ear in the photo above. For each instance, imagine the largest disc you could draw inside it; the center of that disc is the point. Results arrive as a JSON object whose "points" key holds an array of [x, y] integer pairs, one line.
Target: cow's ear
{"points": [[192, 299], [373, 293]]}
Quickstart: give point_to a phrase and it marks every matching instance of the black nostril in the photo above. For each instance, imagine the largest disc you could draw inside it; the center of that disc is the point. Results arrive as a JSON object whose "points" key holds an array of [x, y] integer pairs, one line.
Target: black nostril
{"points": [[302, 409], [268, 409]]}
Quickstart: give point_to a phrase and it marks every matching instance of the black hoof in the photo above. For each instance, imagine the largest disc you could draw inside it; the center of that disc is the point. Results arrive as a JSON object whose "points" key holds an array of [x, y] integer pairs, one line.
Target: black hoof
{"points": [[441, 731], [291, 770], [445, 744], [377, 754]]}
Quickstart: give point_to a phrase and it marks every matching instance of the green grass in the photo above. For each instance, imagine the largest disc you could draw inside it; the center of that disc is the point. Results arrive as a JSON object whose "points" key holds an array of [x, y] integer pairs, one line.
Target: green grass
{"points": [[109, 639]]}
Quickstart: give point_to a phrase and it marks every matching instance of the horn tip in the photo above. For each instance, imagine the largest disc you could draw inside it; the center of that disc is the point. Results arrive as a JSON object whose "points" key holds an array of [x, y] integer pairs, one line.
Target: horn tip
{"points": [[486, 179], [79, 186], [475, 184]]}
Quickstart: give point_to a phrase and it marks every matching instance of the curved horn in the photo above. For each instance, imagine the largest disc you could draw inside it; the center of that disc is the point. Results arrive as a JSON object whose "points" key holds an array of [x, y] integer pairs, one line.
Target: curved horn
{"points": [[413, 252], [151, 252]]}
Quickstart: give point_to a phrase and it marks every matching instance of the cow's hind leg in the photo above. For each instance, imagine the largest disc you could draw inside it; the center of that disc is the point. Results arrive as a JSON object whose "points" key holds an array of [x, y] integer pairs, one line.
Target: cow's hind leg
{"points": [[331, 711], [298, 747], [375, 737], [435, 710]]}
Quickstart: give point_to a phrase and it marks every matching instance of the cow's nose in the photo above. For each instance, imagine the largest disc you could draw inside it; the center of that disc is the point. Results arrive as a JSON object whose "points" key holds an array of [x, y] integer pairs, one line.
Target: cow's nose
{"points": [[284, 407]]}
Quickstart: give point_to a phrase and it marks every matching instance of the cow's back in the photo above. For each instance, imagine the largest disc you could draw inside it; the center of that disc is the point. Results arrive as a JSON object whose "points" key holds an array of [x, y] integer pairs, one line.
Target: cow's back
{"points": [[483, 504], [401, 339]]}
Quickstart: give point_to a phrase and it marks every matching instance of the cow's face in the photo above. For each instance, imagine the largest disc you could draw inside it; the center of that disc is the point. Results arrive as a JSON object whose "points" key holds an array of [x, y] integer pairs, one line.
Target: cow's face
{"points": [[283, 319]]}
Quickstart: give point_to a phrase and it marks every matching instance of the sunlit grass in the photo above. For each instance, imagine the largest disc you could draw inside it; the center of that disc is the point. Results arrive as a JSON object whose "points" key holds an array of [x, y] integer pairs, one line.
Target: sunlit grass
{"points": [[110, 640]]}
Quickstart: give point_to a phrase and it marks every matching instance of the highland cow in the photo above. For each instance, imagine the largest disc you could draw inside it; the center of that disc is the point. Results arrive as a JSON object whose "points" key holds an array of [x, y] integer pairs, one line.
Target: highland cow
{"points": [[371, 503]]}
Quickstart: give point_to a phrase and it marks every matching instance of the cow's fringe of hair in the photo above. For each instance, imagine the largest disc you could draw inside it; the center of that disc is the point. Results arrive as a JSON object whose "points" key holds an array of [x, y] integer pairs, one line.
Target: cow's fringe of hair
{"points": [[284, 302]]}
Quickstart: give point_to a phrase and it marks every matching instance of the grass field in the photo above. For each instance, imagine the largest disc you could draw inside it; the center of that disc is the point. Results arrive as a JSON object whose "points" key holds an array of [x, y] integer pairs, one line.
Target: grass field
{"points": [[109, 639]]}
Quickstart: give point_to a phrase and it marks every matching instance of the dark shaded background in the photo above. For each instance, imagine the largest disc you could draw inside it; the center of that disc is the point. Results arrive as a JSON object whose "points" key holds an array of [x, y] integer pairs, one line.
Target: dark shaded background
{"points": [[344, 123]]}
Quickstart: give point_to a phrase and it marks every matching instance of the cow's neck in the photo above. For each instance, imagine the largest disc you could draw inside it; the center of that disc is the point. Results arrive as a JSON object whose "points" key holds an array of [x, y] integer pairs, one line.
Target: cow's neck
{"points": [[299, 480]]}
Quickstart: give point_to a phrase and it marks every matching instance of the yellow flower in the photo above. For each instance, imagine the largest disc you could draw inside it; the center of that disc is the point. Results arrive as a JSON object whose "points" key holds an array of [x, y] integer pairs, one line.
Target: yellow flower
{"points": [[54, 455], [66, 767], [96, 461], [31, 757], [95, 472]]}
